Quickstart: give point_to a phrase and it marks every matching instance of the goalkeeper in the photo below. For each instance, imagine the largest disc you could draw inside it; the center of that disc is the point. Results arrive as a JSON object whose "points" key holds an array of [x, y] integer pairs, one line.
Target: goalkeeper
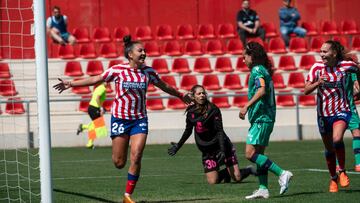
{"points": [[210, 138]]}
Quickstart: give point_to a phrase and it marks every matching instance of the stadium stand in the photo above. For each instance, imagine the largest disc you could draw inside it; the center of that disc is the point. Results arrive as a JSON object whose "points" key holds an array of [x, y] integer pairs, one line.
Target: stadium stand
{"points": [[80, 90], [152, 48], [66, 51], [211, 82], [277, 46], [160, 65], [7, 88], [296, 80], [188, 81], [108, 50], [221, 102], [355, 43], [306, 61], [240, 101], [175, 103], [234, 47], [311, 28], [270, 29], [202, 65], [120, 32], [278, 81], [73, 69], [223, 64], [87, 51], [143, 33], [101, 34], [328, 28], [14, 107], [82, 35], [287, 63], [193, 48], [226, 30], [155, 104], [5, 71], [286, 100], [348, 27], [94, 67], [214, 47], [298, 45], [206, 31], [180, 65], [240, 65], [232, 82], [164, 32], [169, 79], [114, 62], [173, 48], [185, 31]]}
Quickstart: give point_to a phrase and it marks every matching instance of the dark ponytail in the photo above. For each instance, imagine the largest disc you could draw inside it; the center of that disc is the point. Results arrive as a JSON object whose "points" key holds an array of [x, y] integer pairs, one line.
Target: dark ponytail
{"points": [[338, 48], [128, 45]]}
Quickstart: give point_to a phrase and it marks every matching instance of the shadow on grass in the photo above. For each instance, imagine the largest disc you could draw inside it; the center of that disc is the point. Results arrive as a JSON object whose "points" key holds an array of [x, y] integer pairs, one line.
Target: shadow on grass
{"points": [[99, 199], [297, 194], [349, 190], [178, 200]]}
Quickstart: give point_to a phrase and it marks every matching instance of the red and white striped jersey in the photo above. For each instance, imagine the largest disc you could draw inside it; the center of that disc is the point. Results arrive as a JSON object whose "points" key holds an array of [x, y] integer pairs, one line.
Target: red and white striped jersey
{"points": [[331, 96], [130, 86]]}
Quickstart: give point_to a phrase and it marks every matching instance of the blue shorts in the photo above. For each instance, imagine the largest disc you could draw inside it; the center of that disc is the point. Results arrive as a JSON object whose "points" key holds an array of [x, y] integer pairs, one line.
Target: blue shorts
{"points": [[120, 127], [325, 124], [65, 36]]}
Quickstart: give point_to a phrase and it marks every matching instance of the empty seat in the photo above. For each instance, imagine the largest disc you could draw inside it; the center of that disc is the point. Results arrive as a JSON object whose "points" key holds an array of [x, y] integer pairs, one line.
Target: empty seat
{"points": [[278, 81], [94, 67], [316, 43], [160, 65], [84, 103], [81, 34], [5, 71], [120, 32], [164, 32], [232, 82], [170, 80], [241, 66], [14, 106], [188, 81], [214, 47], [180, 65], [287, 63], [80, 90], [108, 102], [185, 31], [108, 50], [7, 88], [306, 61], [175, 103], [247, 78], [286, 100], [154, 104], [329, 28], [298, 45], [256, 39], [311, 28], [226, 30], [355, 43], [73, 69], [211, 82], [101, 34], [348, 27], [193, 48], [152, 48], [343, 40], [114, 62], [151, 88], [223, 64], [270, 29], [143, 33], [277, 46], [234, 47], [296, 80], [173, 48], [202, 65], [221, 102], [240, 101], [66, 51], [87, 51], [307, 100], [206, 31]]}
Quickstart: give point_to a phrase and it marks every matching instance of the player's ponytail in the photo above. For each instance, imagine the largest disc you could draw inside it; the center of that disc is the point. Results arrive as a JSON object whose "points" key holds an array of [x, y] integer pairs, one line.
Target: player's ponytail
{"points": [[128, 45]]}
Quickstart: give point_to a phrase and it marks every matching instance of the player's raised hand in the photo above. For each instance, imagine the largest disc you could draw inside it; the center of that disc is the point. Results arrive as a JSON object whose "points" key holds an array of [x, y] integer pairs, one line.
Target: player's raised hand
{"points": [[188, 99], [62, 85], [173, 148]]}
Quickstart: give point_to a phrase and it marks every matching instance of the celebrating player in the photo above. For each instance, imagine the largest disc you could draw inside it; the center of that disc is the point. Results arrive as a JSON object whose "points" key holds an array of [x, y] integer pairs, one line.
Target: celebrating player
{"points": [[262, 109], [211, 140], [333, 109], [129, 124]]}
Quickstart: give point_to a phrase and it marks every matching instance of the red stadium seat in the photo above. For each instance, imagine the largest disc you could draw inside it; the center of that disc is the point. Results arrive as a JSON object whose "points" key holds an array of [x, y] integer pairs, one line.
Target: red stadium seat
{"points": [[175, 103], [221, 102], [108, 102], [298, 45], [223, 64], [211, 82], [14, 106], [114, 62], [151, 88], [348, 27], [307, 100], [170, 80], [355, 43], [226, 30], [202, 65], [173, 48], [206, 31], [256, 39], [80, 90], [241, 66], [343, 41], [160, 65], [296, 80], [108, 50], [277, 46], [5, 71], [152, 48], [316, 43], [270, 29], [232, 82], [84, 103], [73, 69], [66, 51], [187, 82], [164, 32], [235, 47], [287, 63], [81, 34], [193, 48], [87, 51], [120, 32], [353, 57], [143, 33], [154, 104], [101, 34], [240, 101], [247, 78], [329, 28], [94, 67], [285, 100], [185, 31], [278, 81], [306, 61], [311, 28], [180, 65], [214, 47], [7, 88]]}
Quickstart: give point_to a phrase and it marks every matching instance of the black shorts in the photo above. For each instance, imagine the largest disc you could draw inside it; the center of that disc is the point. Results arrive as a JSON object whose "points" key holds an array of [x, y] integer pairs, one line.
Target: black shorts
{"points": [[94, 112], [211, 163]]}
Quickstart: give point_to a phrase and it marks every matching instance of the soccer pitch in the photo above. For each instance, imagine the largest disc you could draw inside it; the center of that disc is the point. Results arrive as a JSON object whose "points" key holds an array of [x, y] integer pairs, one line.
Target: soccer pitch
{"points": [[83, 175]]}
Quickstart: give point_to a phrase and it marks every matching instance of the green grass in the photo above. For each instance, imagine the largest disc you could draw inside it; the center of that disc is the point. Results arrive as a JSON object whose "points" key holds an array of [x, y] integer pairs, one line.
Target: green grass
{"points": [[82, 175]]}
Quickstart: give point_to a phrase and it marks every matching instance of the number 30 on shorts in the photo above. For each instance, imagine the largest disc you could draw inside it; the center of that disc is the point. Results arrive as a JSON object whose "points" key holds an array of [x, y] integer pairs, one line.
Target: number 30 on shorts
{"points": [[117, 129]]}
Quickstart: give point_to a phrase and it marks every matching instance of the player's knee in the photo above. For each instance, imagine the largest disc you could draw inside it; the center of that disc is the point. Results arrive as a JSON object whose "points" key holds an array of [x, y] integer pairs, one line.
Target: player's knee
{"points": [[119, 163], [136, 157], [212, 180]]}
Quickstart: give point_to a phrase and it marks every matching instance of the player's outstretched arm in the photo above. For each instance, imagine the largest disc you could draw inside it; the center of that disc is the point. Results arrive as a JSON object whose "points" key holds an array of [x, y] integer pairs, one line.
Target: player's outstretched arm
{"points": [[64, 85], [186, 98]]}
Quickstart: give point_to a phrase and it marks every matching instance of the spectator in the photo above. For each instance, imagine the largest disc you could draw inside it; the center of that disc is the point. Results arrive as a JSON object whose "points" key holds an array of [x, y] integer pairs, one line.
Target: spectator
{"points": [[56, 27], [289, 17], [248, 23]]}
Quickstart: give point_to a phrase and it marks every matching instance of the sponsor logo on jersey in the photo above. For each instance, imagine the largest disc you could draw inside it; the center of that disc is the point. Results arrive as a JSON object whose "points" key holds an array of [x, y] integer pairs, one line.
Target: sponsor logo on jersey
{"points": [[133, 85]]}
